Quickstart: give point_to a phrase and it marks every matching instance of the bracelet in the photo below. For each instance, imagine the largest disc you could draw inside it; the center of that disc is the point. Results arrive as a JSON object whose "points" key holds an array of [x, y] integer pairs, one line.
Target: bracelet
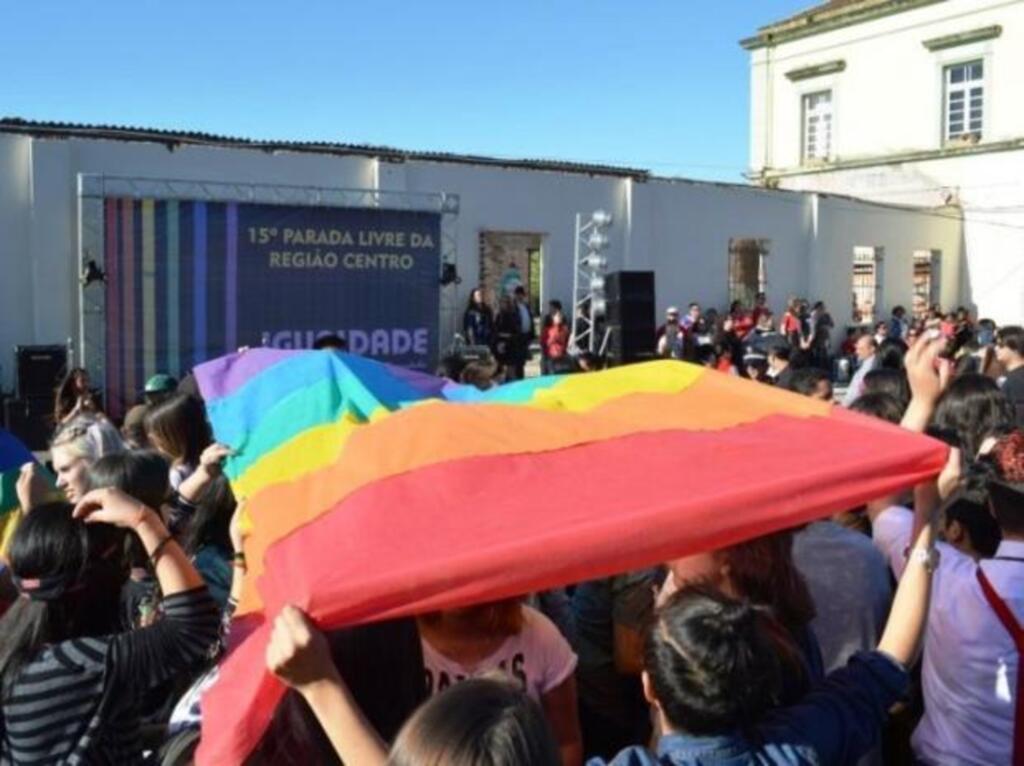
{"points": [[159, 549], [927, 557]]}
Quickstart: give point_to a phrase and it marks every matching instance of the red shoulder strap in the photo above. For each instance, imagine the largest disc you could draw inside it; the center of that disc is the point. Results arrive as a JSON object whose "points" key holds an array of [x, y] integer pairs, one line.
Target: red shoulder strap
{"points": [[1017, 634]]}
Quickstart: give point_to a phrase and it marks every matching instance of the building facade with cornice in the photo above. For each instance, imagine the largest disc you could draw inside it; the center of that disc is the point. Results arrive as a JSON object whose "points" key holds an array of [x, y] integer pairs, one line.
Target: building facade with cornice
{"points": [[912, 102]]}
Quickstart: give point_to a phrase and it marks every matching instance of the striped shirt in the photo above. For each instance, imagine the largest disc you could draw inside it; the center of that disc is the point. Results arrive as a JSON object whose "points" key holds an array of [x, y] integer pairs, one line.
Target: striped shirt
{"points": [[77, 701]]}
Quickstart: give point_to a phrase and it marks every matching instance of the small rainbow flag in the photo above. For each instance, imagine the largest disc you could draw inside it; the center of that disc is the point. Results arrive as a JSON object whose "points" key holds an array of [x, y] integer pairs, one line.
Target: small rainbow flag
{"points": [[376, 492], [13, 455]]}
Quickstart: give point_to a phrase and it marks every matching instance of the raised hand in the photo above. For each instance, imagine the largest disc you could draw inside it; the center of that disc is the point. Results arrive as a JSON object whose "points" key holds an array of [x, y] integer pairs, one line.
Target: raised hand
{"points": [[298, 653], [112, 506]]}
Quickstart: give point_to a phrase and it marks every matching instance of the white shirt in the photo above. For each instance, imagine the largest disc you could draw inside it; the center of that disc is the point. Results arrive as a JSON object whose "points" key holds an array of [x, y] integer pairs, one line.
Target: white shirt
{"points": [[857, 382], [537, 657], [969, 674], [525, 320]]}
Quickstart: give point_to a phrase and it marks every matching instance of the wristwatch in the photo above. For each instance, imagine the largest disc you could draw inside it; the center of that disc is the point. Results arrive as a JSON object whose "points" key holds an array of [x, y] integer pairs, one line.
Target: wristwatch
{"points": [[927, 557]]}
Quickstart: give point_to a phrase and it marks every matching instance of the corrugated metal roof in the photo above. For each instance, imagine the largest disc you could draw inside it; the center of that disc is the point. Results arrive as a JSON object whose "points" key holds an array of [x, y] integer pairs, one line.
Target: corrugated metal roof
{"points": [[174, 138]]}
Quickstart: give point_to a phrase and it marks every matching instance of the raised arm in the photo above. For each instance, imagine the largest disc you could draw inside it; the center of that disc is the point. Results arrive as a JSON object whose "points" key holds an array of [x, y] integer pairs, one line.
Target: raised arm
{"points": [[299, 656], [909, 613], [188, 629], [210, 467], [928, 375]]}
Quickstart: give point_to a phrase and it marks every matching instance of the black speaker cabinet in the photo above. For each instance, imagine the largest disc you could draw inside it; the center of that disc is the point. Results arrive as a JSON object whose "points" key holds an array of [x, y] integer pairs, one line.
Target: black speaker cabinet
{"points": [[631, 309], [40, 370]]}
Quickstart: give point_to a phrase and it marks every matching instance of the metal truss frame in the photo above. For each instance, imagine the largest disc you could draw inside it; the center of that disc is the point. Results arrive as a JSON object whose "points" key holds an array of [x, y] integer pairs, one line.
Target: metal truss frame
{"points": [[93, 189]]}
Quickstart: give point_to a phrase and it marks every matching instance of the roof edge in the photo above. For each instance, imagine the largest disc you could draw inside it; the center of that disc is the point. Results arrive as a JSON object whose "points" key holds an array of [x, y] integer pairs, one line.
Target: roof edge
{"points": [[814, 23], [173, 139]]}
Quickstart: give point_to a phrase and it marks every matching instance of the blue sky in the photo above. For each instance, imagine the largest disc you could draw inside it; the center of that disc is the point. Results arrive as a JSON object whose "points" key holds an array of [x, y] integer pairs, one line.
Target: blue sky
{"points": [[660, 84]]}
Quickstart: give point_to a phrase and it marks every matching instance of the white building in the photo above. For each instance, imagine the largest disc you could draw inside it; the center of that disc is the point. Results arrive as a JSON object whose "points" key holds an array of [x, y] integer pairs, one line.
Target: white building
{"points": [[904, 101], [705, 241]]}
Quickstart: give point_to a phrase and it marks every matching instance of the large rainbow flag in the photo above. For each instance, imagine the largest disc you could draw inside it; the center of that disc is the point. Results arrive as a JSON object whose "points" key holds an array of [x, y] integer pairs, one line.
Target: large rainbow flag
{"points": [[376, 492], [13, 455]]}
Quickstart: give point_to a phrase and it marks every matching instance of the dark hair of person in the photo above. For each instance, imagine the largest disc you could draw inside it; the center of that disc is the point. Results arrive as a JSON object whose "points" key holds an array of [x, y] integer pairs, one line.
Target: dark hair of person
{"points": [[383, 667], [880, 405], [712, 665], [1011, 337], [806, 381], [890, 381], [970, 510], [178, 427], [66, 395], [974, 408], [891, 353], [451, 366], [478, 374], [479, 722], [335, 342], [706, 355], [781, 351], [564, 365], [79, 571], [499, 618], [762, 570], [141, 474], [966, 364], [211, 523]]}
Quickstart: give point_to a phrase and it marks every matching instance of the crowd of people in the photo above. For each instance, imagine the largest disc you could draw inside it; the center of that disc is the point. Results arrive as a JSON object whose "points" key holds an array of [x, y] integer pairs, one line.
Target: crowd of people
{"points": [[803, 646]]}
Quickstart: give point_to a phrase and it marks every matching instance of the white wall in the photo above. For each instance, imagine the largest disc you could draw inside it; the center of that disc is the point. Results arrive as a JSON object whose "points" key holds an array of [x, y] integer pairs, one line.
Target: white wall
{"points": [[987, 189], [888, 101], [844, 224], [17, 296], [679, 229], [889, 97]]}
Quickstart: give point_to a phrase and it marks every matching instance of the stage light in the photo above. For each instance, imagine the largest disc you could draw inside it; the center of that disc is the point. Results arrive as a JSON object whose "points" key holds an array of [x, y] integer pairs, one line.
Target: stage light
{"points": [[597, 283], [597, 241], [601, 219], [449, 275], [91, 274]]}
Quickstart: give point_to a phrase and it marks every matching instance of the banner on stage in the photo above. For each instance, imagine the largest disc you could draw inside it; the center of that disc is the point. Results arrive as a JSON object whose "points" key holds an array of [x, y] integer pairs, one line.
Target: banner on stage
{"points": [[189, 281]]}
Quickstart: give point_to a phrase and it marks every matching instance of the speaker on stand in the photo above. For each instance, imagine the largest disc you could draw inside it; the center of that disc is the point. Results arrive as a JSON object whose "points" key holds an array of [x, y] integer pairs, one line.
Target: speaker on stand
{"points": [[630, 316], [38, 372]]}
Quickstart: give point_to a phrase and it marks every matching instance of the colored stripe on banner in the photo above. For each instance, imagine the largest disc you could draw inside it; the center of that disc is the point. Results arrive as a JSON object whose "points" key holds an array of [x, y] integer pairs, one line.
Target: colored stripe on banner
{"points": [[199, 279], [113, 309], [130, 347], [173, 288], [231, 282], [148, 290]]}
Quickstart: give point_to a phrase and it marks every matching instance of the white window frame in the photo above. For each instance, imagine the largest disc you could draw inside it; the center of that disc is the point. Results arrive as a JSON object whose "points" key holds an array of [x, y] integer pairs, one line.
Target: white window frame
{"points": [[806, 115], [982, 51], [966, 90], [934, 260], [873, 256], [764, 248]]}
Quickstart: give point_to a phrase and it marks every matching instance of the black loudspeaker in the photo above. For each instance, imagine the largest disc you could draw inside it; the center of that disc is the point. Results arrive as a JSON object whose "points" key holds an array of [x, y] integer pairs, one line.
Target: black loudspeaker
{"points": [[29, 420], [40, 370], [630, 316]]}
